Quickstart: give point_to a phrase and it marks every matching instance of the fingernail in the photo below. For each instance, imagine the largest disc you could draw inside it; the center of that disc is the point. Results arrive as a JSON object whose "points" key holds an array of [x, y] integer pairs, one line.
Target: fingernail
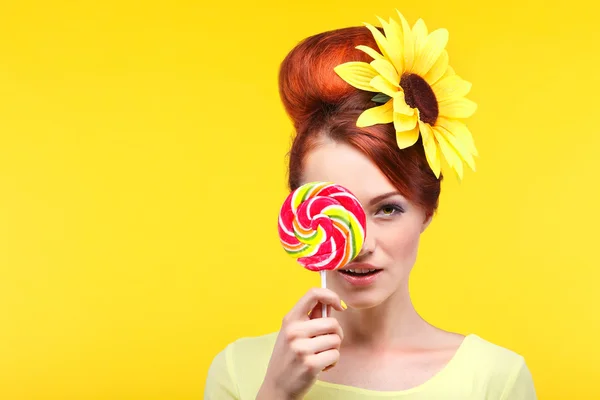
{"points": [[327, 368], [344, 306]]}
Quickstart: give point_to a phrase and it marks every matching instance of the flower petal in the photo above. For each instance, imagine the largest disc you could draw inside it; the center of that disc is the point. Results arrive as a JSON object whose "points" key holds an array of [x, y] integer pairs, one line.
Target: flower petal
{"points": [[409, 49], [381, 41], [449, 152], [436, 42], [387, 70], [373, 53], [460, 131], [451, 86], [357, 74], [407, 138], [393, 35], [460, 148], [383, 114], [405, 122], [438, 69], [383, 86], [430, 146], [400, 105], [420, 33], [449, 71], [457, 107]]}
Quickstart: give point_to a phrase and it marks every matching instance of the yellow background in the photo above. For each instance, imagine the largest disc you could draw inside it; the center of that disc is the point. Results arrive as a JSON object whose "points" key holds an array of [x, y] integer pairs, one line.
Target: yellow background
{"points": [[142, 166]]}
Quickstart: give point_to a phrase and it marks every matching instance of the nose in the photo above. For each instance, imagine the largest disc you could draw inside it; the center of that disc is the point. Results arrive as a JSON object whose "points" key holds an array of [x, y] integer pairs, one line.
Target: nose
{"points": [[369, 242]]}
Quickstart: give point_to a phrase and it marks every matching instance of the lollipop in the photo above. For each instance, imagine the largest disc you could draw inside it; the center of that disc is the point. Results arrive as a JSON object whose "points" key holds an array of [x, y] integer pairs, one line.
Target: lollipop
{"points": [[323, 226]]}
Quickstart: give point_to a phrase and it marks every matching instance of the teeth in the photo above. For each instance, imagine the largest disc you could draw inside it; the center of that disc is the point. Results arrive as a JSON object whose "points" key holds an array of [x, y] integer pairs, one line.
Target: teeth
{"points": [[361, 271]]}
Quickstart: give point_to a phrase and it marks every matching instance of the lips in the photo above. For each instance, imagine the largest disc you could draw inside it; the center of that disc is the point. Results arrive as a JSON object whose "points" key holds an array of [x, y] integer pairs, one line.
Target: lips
{"points": [[360, 274]]}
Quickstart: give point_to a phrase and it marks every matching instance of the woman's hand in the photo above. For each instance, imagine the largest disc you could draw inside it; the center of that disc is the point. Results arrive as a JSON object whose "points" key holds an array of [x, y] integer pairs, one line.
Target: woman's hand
{"points": [[306, 345]]}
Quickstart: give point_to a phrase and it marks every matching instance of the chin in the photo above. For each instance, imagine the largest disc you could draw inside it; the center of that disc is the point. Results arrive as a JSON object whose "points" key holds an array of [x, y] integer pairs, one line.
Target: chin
{"points": [[364, 299]]}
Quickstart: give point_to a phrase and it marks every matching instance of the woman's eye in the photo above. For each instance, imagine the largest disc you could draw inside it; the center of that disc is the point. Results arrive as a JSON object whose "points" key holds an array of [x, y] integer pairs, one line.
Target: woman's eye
{"points": [[388, 210], [391, 209]]}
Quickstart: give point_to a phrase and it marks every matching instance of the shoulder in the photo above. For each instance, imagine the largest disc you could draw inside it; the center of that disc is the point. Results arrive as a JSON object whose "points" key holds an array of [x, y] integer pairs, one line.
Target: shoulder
{"points": [[491, 353], [253, 347], [504, 371], [239, 368]]}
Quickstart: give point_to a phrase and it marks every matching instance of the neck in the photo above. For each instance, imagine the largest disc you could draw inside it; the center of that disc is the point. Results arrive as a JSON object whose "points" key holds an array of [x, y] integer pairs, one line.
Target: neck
{"points": [[393, 323]]}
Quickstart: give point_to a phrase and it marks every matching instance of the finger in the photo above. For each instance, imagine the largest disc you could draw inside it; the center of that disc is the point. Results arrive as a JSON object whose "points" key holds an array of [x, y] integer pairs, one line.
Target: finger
{"points": [[309, 346], [315, 298], [318, 362], [317, 311], [311, 299], [315, 327]]}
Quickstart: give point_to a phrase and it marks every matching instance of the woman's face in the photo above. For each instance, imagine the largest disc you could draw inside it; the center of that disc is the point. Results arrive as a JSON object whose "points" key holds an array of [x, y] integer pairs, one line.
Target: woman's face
{"points": [[394, 225]]}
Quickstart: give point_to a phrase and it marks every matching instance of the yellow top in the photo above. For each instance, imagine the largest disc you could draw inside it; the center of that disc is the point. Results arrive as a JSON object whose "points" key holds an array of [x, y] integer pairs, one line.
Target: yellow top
{"points": [[479, 370]]}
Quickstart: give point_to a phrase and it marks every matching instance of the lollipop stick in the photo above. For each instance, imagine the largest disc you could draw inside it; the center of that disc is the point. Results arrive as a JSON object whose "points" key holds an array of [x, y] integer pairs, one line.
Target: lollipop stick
{"points": [[323, 285]]}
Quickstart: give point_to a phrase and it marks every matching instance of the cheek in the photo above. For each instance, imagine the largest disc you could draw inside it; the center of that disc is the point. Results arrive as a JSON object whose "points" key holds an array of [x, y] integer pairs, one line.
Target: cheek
{"points": [[401, 242]]}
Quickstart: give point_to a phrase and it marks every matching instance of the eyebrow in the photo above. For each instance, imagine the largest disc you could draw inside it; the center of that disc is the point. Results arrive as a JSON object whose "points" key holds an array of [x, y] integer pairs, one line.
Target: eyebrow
{"points": [[377, 199]]}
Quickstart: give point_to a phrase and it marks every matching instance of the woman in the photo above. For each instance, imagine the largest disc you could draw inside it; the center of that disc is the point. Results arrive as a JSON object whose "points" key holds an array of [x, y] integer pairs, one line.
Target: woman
{"points": [[374, 114]]}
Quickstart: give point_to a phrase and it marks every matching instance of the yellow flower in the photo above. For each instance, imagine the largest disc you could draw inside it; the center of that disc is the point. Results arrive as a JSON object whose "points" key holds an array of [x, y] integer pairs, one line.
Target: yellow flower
{"points": [[421, 92]]}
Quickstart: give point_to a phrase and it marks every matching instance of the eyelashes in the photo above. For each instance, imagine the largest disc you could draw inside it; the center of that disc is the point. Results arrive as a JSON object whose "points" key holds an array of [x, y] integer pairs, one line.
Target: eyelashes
{"points": [[390, 209]]}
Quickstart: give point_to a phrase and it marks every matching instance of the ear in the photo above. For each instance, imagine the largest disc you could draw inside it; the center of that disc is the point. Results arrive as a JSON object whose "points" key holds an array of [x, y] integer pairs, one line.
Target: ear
{"points": [[426, 223]]}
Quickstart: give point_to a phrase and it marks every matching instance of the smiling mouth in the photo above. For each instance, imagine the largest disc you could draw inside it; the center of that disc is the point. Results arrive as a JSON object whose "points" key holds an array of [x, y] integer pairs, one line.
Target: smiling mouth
{"points": [[360, 272]]}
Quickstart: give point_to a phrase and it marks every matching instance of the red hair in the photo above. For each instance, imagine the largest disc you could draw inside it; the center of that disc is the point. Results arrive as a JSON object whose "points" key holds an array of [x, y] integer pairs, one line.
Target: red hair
{"points": [[320, 103]]}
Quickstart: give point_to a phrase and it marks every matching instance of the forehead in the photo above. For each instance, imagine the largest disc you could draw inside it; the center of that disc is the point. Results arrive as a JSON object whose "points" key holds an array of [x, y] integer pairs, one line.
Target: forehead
{"points": [[344, 165]]}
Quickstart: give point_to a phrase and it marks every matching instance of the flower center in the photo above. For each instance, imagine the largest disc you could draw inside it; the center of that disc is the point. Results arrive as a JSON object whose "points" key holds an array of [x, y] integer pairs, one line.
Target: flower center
{"points": [[418, 94]]}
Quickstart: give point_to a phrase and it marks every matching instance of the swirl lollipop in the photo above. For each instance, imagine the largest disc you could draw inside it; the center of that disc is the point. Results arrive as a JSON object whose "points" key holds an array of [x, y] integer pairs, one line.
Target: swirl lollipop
{"points": [[323, 226]]}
